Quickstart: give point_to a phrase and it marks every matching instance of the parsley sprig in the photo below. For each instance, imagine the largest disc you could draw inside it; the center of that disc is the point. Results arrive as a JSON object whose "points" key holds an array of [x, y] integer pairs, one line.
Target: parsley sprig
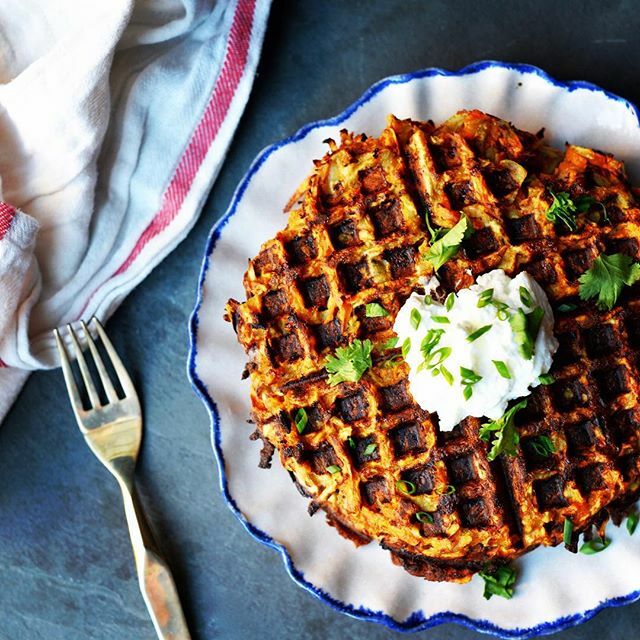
{"points": [[564, 209], [349, 363], [505, 434], [445, 243], [499, 582], [606, 277]]}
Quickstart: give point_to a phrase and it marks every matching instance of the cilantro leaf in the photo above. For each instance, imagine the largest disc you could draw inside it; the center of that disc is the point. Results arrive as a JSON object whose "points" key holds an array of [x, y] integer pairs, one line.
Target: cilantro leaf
{"points": [[348, 364], [446, 246], [375, 310], [564, 209], [499, 582], [505, 434], [606, 277]]}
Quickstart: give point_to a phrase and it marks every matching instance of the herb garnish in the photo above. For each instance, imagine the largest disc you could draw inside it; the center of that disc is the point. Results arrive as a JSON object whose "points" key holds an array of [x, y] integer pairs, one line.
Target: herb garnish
{"points": [[564, 209], [606, 277], [301, 419], [333, 469], [567, 306], [415, 318], [502, 368], [499, 582], [450, 301], [406, 487], [441, 319], [567, 533], [435, 358], [525, 297], [468, 377], [375, 310], [632, 522], [543, 446], [505, 434], [502, 307], [352, 442], [546, 378], [389, 344], [369, 449], [349, 363], [445, 246], [424, 517], [596, 545], [485, 298], [446, 374], [406, 346], [472, 337], [525, 327], [428, 300]]}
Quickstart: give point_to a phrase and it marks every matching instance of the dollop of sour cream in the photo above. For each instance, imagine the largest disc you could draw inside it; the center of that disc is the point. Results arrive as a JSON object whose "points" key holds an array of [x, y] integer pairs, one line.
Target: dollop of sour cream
{"points": [[476, 365]]}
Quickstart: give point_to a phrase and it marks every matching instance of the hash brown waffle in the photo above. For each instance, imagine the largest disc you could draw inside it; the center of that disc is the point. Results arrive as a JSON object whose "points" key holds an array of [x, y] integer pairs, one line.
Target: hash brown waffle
{"points": [[357, 234]]}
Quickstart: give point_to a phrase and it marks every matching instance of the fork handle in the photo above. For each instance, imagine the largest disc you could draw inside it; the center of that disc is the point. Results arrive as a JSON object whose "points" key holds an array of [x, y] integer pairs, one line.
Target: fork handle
{"points": [[156, 582]]}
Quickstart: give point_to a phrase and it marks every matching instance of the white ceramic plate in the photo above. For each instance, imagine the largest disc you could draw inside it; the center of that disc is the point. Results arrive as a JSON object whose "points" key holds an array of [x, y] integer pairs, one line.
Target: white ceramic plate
{"points": [[555, 589]]}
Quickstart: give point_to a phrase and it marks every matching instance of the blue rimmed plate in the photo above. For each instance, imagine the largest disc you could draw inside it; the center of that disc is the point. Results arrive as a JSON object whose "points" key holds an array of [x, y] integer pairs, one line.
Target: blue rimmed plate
{"points": [[555, 589]]}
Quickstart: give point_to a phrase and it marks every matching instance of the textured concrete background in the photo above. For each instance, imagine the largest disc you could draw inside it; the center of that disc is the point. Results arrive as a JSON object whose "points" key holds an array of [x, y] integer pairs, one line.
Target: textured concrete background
{"points": [[66, 569]]}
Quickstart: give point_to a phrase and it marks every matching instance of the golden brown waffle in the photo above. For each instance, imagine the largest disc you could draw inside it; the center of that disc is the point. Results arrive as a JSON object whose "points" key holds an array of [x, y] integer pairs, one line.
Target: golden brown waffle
{"points": [[357, 234]]}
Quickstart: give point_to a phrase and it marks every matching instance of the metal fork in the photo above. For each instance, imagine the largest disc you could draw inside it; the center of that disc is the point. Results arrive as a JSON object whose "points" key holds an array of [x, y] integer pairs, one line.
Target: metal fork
{"points": [[113, 431]]}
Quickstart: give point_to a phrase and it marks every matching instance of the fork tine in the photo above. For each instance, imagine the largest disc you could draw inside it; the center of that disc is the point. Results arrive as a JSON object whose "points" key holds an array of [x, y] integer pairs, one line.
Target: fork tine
{"points": [[94, 399], [70, 381], [102, 371], [121, 372]]}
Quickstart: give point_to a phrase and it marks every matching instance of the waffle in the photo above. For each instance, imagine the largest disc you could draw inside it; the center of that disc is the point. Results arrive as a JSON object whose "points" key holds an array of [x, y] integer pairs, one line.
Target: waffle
{"points": [[356, 234]]}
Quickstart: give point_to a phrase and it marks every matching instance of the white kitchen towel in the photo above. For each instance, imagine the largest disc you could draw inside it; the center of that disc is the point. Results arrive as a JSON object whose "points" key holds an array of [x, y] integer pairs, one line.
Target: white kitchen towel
{"points": [[114, 120]]}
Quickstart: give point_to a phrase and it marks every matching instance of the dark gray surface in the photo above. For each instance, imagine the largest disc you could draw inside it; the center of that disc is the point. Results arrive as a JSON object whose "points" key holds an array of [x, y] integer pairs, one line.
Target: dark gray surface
{"points": [[66, 570]]}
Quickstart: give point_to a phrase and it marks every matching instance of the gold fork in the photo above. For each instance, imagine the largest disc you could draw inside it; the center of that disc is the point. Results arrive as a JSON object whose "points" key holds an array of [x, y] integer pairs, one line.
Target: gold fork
{"points": [[113, 431]]}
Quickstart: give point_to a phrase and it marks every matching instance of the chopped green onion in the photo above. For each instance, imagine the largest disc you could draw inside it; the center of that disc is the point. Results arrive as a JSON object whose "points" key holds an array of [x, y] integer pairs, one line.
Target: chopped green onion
{"points": [[375, 310], [437, 357], [370, 448], [446, 491], [352, 442], [469, 376], [424, 517], [406, 487], [441, 319], [406, 346], [502, 368], [594, 546], [632, 522], [415, 318], [446, 374], [472, 337], [567, 306], [450, 301], [567, 534], [485, 298], [428, 300], [499, 582], [525, 297], [333, 468], [546, 378], [467, 392], [389, 344], [301, 419]]}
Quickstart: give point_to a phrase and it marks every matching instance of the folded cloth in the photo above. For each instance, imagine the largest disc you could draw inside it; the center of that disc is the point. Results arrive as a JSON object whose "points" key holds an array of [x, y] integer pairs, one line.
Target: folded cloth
{"points": [[114, 120]]}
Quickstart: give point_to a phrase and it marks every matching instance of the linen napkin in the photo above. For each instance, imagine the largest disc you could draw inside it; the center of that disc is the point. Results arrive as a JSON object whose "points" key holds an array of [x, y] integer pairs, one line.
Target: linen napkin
{"points": [[114, 120]]}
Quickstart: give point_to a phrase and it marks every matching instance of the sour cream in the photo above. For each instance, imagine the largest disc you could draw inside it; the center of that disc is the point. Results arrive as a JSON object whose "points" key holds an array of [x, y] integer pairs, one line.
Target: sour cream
{"points": [[473, 334]]}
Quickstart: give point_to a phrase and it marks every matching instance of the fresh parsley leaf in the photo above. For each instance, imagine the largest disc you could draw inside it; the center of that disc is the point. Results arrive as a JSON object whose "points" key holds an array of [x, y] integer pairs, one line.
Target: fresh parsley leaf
{"points": [[567, 533], [543, 446], [406, 487], [504, 432], [485, 298], [369, 449], [415, 318], [632, 522], [349, 363], [424, 517], [301, 419], [472, 337], [375, 310], [499, 582], [546, 378], [502, 368], [443, 247], [333, 469], [606, 277], [525, 327], [450, 301], [594, 546]]}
